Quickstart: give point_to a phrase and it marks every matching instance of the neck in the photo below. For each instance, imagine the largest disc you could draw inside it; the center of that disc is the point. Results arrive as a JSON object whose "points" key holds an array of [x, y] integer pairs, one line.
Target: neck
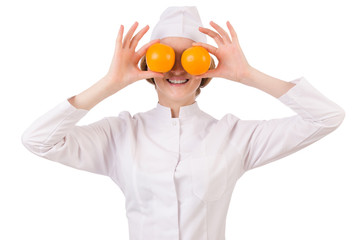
{"points": [[175, 111], [175, 106]]}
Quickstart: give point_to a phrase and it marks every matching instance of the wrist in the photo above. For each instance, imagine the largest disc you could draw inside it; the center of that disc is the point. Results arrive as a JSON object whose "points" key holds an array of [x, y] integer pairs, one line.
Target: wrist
{"points": [[248, 76], [111, 85]]}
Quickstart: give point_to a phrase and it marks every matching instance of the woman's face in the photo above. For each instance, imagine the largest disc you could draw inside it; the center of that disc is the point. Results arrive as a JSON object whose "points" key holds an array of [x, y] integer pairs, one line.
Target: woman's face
{"points": [[177, 93]]}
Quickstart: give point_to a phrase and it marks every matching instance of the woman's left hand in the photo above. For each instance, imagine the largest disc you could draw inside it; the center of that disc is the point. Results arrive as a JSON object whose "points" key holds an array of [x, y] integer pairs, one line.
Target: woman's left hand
{"points": [[232, 62]]}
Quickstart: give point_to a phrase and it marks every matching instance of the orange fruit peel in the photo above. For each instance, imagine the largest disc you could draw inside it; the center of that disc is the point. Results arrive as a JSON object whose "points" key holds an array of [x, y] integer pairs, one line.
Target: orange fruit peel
{"points": [[196, 60], [160, 57]]}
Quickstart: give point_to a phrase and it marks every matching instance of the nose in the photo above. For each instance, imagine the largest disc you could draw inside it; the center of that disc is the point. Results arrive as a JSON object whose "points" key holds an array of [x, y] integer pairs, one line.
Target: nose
{"points": [[177, 67]]}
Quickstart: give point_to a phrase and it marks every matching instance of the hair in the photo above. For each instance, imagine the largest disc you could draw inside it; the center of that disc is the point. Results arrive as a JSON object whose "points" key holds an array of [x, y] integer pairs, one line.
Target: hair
{"points": [[204, 81]]}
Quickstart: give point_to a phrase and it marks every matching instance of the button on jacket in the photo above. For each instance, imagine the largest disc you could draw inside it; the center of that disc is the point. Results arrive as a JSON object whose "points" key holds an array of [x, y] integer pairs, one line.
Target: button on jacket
{"points": [[178, 174]]}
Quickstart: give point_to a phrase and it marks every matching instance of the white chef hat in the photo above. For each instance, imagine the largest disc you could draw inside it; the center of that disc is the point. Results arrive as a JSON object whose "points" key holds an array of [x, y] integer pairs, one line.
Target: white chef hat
{"points": [[179, 22]]}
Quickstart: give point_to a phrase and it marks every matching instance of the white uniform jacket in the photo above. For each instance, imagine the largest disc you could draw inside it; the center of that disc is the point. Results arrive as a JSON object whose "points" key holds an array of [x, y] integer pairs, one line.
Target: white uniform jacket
{"points": [[178, 174]]}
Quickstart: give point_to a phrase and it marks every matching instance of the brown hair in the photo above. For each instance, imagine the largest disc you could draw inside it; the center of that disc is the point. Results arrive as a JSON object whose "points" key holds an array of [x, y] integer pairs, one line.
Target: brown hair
{"points": [[204, 81]]}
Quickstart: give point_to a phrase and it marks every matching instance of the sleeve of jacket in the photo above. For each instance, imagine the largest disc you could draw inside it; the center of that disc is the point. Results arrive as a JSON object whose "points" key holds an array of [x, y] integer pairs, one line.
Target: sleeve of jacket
{"points": [[56, 137], [271, 140]]}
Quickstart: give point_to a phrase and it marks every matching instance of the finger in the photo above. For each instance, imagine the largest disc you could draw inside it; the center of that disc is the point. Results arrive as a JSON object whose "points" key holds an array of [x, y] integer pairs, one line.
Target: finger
{"points": [[219, 41], [142, 51], [223, 33], [138, 36], [127, 38], [120, 36], [208, 47], [233, 34], [150, 74], [209, 74]]}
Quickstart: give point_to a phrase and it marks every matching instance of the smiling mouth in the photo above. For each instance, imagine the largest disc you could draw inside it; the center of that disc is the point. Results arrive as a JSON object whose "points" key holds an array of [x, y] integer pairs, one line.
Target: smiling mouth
{"points": [[177, 82]]}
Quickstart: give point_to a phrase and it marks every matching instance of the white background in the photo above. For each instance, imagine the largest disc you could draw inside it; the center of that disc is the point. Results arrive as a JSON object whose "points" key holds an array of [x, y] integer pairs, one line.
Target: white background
{"points": [[51, 50]]}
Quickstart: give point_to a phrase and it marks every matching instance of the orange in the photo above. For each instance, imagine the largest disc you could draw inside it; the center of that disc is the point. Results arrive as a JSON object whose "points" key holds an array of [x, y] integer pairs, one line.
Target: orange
{"points": [[196, 60], [160, 57]]}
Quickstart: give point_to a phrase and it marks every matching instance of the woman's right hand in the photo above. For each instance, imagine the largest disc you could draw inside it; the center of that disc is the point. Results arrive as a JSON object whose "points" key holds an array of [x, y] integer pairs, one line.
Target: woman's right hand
{"points": [[123, 71], [124, 68]]}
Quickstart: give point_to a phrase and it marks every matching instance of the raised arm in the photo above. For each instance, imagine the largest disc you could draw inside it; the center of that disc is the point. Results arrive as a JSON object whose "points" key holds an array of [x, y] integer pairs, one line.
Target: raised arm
{"points": [[55, 135], [261, 142]]}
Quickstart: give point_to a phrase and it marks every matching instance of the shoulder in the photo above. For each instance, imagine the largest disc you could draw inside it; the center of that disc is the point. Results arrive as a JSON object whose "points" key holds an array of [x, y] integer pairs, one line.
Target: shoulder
{"points": [[227, 118], [227, 123], [231, 121], [205, 116], [124, 120]]}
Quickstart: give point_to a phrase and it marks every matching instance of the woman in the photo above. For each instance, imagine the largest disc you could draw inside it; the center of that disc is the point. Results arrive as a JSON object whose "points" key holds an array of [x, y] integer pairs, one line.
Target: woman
{"points": [[176, 165]]}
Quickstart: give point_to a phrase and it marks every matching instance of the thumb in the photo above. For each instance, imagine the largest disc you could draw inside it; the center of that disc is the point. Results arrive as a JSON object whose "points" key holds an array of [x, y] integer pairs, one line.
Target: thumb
{"points": [[150, 74], [209, 74]]}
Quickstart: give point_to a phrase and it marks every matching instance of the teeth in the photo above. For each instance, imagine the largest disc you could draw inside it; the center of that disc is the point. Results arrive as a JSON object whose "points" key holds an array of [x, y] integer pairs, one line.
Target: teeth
{"points": [[177, 81]]}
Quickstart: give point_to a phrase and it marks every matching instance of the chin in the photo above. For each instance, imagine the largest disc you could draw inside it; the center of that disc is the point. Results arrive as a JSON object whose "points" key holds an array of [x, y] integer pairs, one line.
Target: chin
{"points": [[180, 98]]}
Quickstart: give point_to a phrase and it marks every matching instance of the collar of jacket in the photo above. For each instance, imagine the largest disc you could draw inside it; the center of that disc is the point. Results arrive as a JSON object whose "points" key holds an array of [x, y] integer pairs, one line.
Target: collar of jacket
{"points": [[185, 111]]}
